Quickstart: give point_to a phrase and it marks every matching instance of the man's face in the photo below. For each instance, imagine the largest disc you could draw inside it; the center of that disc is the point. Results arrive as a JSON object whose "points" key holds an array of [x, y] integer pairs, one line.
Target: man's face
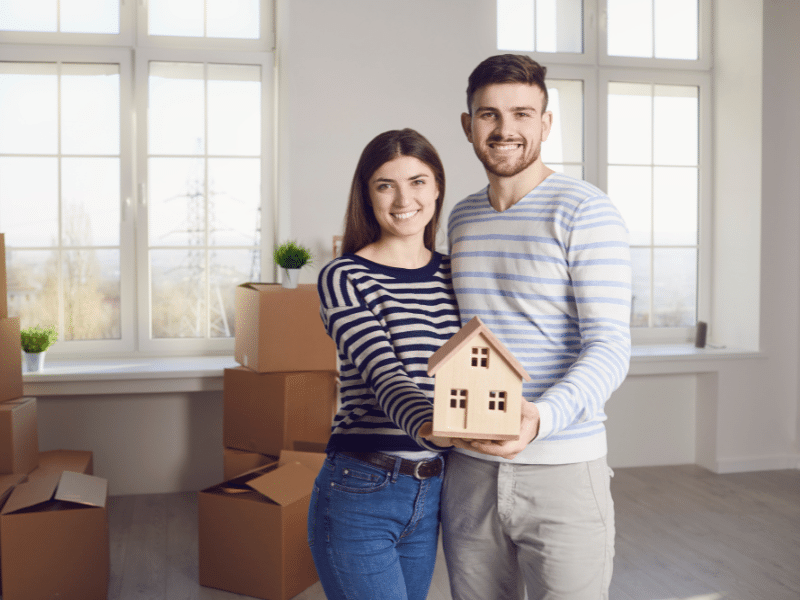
{"points": [[507, 127]]}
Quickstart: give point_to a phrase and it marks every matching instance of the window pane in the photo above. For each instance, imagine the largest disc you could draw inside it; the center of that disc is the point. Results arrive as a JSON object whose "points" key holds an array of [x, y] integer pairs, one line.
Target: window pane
{"points": [[630, 114], [28, 108], [177, 202], [640, 293], [675, 125], [228, 269], [90, 16], [676, 25], [675, 287], [540, 25], [630, 188], [630, 28], [28, 15], [90, 109], [176, 110], [234, 110], [176, 17], [565, 143], [234, 19], [91, 294], [32, 286], [178, 285], [235, 199], [27, 183], [90, 198], [675, 205]]}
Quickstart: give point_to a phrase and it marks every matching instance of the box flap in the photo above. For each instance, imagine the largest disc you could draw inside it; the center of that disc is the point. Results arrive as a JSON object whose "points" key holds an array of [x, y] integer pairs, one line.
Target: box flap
{"points": [[286, 484], [15, 403], [7, 484], [82, 489], [36, 491], [312, 460]]}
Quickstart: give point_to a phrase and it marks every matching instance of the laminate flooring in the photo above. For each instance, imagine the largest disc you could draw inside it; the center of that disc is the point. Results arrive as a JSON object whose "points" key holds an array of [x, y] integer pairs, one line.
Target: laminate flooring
{"points": [[682, 533]]}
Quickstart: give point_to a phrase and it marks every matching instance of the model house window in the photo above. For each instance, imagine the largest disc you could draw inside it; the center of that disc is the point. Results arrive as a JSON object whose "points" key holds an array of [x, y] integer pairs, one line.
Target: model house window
{"points": [[112, 189], [480, 357], [497, 401], [632, 114], [458, 398]]}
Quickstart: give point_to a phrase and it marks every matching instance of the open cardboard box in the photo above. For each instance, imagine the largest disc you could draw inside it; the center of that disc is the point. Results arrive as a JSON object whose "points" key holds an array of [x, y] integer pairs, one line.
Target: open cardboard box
{"points": [[19, 436], [279, 329], [54, 534], [252, 529], [269, 412], [237, 462]]}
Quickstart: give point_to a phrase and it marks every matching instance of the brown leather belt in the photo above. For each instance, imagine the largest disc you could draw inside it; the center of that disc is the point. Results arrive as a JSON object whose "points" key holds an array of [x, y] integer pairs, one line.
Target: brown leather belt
{"points": [[419, 469]]}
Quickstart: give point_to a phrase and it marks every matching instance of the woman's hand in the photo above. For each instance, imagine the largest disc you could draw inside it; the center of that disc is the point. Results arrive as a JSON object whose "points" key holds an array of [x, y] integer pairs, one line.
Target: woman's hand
{"points": [[426, 433]]}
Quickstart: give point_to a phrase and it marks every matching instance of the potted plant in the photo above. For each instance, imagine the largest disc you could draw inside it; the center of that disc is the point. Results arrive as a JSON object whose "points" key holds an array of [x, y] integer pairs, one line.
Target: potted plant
{"points": [[291, 257], [35, 341]]}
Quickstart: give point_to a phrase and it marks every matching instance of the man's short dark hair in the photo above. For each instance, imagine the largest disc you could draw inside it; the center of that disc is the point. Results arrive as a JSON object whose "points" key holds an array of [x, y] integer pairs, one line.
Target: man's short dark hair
{"points": [[507, 68]]}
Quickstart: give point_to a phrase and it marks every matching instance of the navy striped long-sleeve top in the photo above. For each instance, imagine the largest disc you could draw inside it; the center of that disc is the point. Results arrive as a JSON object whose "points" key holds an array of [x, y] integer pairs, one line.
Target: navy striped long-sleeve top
{"points": [[386, 322], [551, 277]]}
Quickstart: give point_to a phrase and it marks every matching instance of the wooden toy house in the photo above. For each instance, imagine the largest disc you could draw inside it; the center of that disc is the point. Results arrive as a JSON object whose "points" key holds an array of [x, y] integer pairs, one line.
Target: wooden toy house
{"points": [[478, 386]]}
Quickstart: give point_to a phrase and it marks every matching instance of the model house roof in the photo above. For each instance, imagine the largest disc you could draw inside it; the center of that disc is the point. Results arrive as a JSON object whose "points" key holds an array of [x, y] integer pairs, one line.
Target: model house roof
{"points": [[464, 335]]}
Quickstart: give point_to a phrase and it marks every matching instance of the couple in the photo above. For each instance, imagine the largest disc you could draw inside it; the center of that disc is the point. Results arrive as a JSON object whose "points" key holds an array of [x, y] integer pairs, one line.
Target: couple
{"points": [[543, 259]]}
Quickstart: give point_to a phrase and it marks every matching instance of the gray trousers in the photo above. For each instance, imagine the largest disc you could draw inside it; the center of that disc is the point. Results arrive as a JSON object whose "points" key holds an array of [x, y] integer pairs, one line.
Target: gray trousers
{"points": [[507, 527]]}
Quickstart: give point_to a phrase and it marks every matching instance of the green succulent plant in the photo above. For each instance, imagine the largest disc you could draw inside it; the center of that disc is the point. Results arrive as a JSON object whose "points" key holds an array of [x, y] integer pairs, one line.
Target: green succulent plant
{"points": [[38, 339], [291, 255]]}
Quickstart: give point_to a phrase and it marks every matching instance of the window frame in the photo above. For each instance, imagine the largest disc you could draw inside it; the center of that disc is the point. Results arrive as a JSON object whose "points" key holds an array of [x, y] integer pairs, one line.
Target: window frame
{"points": [[122, 57], [146, 343], [132, 49]]}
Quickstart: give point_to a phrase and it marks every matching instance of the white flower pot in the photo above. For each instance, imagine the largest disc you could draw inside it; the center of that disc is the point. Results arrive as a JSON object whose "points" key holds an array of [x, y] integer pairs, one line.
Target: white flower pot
{"points": [[34, 361], [290, 278]]}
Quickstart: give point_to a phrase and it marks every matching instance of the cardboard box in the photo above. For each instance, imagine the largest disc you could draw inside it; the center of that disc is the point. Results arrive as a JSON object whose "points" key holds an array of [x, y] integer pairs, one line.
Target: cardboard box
{"points": [[7, 485], [77, 461], [237, 462], [10, 360], [252, 530], [279, 329], [269, 412], [54, 532], [3, 279], [19, 436]]}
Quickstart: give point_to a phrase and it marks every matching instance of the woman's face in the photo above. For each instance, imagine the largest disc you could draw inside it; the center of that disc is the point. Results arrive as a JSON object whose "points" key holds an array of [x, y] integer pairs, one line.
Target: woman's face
{"points": [[403, 192]]}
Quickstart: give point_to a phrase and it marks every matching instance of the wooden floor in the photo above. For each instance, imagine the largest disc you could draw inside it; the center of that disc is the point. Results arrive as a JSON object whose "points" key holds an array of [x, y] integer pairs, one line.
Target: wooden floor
{"points": [[682, 533]]}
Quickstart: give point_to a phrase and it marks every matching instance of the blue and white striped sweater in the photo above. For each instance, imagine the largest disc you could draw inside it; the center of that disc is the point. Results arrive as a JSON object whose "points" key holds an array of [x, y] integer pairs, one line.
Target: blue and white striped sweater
{"points": [[551, 277], [386, 322]]}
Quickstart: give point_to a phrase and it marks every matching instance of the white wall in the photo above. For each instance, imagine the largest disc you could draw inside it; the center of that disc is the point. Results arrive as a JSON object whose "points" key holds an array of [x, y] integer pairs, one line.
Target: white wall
{"points": [[353, 68]]}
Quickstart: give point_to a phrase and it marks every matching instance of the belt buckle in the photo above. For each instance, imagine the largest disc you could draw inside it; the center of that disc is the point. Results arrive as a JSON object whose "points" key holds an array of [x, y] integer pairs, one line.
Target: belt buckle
{"points": [[417, 468]]}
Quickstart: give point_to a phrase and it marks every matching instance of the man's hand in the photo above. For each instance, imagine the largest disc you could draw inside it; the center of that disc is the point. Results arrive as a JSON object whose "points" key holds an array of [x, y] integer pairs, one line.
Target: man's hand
{"points": [[426, 433], [528, 430]]}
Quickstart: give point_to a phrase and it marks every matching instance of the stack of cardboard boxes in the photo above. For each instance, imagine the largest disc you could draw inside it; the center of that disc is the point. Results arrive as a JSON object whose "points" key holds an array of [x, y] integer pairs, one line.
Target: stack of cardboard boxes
{"points": [[53, 521], [278, 410]]}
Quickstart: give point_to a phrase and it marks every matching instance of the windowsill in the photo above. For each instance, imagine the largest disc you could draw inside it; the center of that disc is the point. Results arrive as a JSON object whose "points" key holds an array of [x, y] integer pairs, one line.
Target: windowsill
{"points": [[154, 375], [69, 377]]}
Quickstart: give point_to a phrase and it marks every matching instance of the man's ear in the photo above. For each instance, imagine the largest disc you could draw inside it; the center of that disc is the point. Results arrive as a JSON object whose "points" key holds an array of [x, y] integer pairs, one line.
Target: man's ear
{"points": [[466, 125], [547, 124]]}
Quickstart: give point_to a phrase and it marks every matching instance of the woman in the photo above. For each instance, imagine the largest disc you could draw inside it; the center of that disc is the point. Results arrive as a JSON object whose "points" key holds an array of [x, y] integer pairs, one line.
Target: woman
{"points": [[388, 304]]}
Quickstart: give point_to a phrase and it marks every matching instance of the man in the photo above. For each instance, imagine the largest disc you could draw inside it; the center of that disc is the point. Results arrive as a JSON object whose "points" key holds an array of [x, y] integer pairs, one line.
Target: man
{"points": [[543, 260]]}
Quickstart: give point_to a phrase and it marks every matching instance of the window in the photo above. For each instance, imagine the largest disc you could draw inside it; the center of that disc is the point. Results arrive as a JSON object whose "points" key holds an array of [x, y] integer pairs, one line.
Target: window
{"points": [[497, 401], [458, 398], [132, 208], [480, 357], [631, 108]]}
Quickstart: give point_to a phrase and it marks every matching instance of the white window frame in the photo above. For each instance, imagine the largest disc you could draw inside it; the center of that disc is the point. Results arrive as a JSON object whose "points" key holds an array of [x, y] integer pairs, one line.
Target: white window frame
{"points": [[596, 69], [132, 49], [122, 57], [144, 317]]}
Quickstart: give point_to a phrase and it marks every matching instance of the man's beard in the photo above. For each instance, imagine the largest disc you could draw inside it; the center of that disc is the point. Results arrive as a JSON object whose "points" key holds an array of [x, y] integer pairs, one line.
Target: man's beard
{"points": [[507, 168]]}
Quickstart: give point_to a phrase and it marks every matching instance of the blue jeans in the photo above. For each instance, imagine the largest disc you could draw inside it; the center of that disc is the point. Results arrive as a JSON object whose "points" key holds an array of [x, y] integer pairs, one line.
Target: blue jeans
{"points": [[373, 534]]}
